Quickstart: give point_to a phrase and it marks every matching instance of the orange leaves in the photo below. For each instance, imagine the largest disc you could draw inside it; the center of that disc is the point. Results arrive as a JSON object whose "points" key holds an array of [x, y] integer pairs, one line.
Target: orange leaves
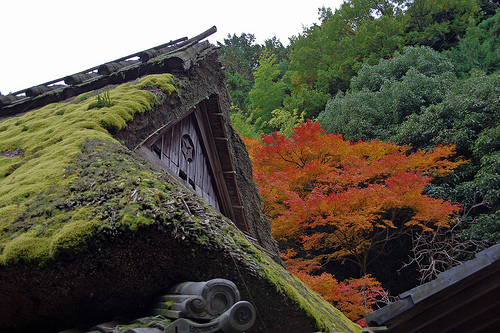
{"points": [[354, 297], [338, 198], [309, 144], [252, 145], [405, 191]]}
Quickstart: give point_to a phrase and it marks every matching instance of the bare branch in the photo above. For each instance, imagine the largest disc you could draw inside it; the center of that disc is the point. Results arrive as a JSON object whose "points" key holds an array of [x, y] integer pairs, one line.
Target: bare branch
{"points": [[438, 251]]}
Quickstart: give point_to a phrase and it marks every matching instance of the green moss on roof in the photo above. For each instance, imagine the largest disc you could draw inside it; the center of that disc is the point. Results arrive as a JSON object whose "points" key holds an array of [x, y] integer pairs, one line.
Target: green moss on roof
{"points": [[35, 220], [158, 80]]}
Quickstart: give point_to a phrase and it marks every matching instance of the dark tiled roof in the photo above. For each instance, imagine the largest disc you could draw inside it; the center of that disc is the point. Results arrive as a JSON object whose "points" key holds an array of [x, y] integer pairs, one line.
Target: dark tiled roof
{"points": [[170, 57], [464, 298]]}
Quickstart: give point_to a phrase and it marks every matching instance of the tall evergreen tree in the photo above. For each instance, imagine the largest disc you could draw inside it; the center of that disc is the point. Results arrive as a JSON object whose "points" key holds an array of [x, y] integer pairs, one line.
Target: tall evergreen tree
{"points": [[239, 55]]}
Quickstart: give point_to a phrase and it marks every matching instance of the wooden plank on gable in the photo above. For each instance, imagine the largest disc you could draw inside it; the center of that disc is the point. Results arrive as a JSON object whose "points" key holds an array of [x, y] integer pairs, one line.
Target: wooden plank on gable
{"points": [[193, 136], [213, 159], [182, 161], [174, 149], [217, 127], [202, 170], [167, 139]]}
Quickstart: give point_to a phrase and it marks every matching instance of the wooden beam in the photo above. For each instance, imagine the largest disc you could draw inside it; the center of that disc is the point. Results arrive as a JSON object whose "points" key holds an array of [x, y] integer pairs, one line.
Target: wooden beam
{"points": [[205, 131]]}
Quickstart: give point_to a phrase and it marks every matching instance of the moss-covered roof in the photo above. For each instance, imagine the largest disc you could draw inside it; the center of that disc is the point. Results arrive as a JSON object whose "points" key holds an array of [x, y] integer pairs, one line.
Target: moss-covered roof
{"points": [[51, 139], [89, 230]]}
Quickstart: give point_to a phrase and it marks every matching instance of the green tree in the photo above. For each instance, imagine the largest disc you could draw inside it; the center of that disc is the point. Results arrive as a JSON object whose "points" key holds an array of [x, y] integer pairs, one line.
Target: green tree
{"points": [[440, 23], [268, 91], [274, 46], [383, 95], [488, 7], [467, 110], [243, 124], [325, 57], [479, 49], [239, 55], [284, 121], [468, 117]]}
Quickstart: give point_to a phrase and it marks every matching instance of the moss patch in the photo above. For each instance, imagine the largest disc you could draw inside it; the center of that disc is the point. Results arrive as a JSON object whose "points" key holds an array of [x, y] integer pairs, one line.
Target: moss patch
{"points": [[323, 314], [42, 190], [158, 80], [110, 189]]}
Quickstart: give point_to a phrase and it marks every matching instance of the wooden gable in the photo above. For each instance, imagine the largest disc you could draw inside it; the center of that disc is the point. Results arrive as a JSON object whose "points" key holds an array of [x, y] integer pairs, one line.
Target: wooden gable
{"points": [[195, 150]]}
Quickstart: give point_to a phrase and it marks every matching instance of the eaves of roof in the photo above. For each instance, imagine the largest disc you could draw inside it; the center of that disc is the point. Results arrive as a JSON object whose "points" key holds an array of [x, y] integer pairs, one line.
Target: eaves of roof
{"points": [[464, 298]]}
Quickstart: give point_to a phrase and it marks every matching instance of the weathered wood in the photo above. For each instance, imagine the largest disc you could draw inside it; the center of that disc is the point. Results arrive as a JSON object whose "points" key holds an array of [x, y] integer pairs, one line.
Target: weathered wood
{"points": [[176, 45], [38, 90], [197, 172], [181, 148], [183, 170], [166, 139], [79, 78], [5, 100], [160, 49], [167, 47], [149, 54], [214, 160], [201, 166], [461, 299], [183, 59], [111, 67], [211, 174], [175, 143], [198, 38]]}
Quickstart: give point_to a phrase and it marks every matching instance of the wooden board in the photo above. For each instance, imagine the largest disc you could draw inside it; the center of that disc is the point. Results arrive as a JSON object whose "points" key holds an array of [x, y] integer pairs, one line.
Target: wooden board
{"points": [[182, 150]]}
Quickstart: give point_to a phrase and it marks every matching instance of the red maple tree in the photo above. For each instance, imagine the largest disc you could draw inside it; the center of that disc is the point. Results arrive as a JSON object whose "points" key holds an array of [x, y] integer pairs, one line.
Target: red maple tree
{"points": [[331, 199]]}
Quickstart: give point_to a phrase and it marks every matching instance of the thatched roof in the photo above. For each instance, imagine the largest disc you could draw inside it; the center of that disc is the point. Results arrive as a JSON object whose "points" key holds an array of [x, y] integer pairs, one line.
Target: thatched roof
{"points": [[89, 229]]}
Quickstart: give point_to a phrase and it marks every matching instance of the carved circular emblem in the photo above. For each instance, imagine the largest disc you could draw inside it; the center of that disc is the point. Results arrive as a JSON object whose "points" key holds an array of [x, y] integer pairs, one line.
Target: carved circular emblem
{"points": [[187, 147]]}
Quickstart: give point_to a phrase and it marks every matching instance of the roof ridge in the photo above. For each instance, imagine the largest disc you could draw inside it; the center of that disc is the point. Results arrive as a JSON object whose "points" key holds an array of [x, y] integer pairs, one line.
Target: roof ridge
{"points": [[8, 102]]}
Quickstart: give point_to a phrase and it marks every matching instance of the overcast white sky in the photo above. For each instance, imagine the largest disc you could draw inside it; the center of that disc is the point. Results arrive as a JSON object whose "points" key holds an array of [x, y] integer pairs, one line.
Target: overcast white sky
{"points": [[43, 40]]}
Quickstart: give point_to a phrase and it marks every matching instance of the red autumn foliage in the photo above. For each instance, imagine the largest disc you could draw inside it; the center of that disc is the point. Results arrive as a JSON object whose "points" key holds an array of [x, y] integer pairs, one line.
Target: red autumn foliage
{"points": [[331, 199]]}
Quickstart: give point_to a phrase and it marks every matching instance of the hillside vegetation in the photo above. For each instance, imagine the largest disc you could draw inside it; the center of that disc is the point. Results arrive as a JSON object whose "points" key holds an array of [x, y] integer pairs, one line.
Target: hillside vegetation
{"points": [[419, 74]]}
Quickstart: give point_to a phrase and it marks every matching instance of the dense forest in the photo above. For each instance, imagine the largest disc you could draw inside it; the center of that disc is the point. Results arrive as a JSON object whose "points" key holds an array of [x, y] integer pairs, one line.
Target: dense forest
{"points": [[375, 138]]}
